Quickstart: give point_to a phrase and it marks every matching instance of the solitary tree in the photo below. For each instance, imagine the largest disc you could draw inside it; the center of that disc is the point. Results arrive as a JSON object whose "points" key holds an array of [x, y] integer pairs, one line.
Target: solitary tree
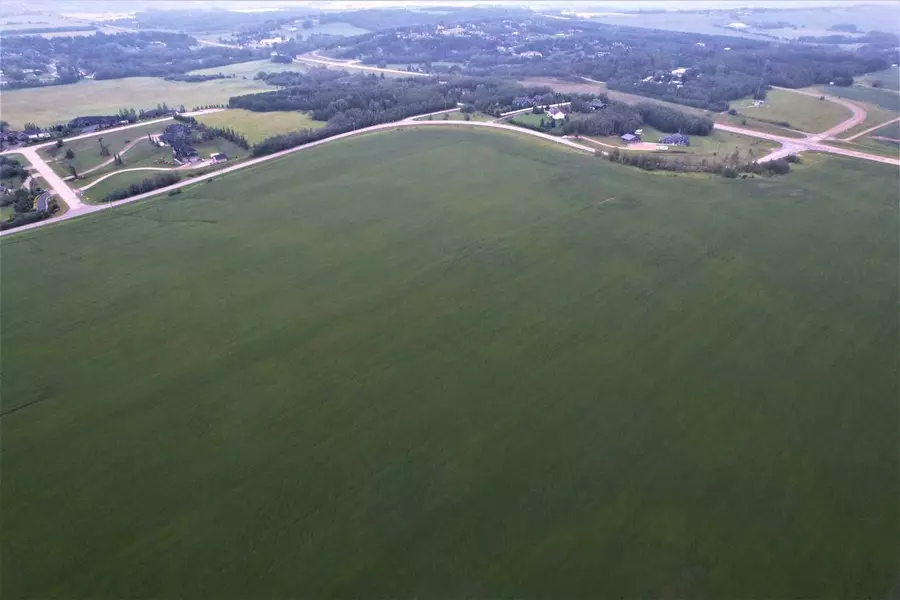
{"points": [[104, 151], [70, 154], [73, 171], [59, 143]]}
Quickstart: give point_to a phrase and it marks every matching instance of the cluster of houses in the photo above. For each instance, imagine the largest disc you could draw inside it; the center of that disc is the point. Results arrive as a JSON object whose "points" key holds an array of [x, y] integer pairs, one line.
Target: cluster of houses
{"points": [[673, 139], [178, 136]]}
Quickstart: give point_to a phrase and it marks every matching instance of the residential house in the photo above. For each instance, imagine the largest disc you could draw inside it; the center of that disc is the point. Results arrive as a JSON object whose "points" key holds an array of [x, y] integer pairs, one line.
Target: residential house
{"points": [[556, 114], [597, 104], [630, 138], [675, 139], [218, 157]]}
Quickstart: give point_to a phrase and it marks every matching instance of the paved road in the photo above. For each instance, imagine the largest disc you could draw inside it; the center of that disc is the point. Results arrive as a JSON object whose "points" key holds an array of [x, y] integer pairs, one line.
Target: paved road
{"points": [[77, 209], [858, 114], [55, 182], [870, 130], [86, 209], [330, 62]]}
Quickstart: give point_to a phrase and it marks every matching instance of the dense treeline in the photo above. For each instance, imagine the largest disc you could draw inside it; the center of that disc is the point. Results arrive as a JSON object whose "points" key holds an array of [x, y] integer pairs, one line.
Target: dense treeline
{"points": [[618, 118], [670, 120], [160, 181], [729, 166], [357, 101], [152, 53], [325, 95], [716, 69]]}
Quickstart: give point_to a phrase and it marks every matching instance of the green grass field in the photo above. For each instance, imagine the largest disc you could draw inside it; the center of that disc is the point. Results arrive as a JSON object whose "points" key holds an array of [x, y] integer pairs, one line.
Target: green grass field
{"points": [[891, 130], [586, 87], [457, 364], [458, 116], [874, 116], [870, 145], [257, 126], [60, 103], [890, 78], [886, 99], [804, 113], [87, 150], [535, 120], [251, 68]]}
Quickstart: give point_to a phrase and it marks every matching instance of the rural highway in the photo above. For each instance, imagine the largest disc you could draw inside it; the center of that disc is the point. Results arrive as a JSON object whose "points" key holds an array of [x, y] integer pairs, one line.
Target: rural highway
{"points": [[78, 209], [316, 58]]}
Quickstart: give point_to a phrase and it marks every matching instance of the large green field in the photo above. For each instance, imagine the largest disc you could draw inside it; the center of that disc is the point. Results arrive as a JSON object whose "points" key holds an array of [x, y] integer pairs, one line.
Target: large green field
{"points": [[803, 112], [60, 103], [257, 126], [457, 364]]}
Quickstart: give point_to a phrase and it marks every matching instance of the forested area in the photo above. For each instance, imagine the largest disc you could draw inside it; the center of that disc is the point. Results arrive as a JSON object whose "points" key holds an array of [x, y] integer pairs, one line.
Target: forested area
{"points": [[348, 102], [152, 53], [618, 118], [717, 69]]}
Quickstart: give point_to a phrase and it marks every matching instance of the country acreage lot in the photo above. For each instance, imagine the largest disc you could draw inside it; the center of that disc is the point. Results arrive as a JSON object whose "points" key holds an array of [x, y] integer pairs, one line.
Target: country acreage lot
{"points": [[87, 150], [257, 126], [60, 103], [458, 364], [803, 112]]}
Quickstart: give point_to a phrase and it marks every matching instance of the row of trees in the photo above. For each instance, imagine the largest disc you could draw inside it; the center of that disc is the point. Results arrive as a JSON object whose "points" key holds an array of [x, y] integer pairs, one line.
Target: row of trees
{"points": [[726, 167], [147, 185]]}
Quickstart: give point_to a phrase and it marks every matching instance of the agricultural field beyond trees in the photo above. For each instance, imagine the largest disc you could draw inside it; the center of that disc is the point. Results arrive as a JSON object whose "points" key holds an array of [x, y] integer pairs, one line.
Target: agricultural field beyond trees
{"points": [[466, 367], [257, 126], [59, 103]]}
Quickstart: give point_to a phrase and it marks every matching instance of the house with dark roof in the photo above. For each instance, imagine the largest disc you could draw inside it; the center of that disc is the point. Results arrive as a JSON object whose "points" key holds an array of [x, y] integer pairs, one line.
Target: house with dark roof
{"points": [[521, 102], [102, 120], [597, 104], [630, 138], [675, 139]]}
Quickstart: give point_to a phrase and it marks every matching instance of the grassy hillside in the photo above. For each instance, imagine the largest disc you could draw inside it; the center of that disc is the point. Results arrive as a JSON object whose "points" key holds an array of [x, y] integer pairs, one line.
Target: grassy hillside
{"points": [[456, 364]]}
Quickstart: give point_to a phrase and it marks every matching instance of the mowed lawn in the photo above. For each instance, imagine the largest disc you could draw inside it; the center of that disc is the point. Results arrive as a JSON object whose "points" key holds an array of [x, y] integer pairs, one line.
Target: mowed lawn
{"points": [[61, 103], [257, 126], [458, 364], [88, 152], [803, 112]]}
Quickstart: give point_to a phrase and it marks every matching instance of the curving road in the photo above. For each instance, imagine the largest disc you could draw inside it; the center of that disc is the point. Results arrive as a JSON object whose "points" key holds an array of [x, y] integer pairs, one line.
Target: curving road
{"points": [[77, 208]]}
